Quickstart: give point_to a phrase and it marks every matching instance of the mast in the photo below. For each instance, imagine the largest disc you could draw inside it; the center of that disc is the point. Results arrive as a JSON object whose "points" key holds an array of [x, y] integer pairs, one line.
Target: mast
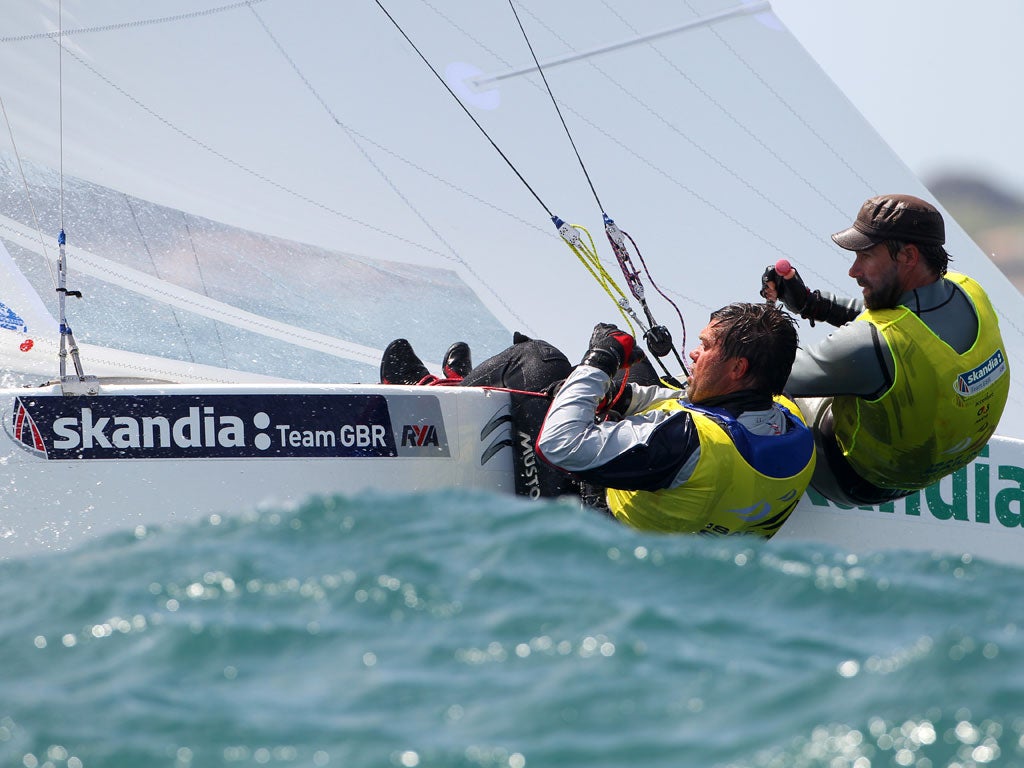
{"points": [[79, 383]]}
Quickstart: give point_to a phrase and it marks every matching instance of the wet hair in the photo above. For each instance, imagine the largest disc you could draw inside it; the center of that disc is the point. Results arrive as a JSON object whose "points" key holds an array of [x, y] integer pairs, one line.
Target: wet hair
{"points": [[762, 333], [934, 256]]}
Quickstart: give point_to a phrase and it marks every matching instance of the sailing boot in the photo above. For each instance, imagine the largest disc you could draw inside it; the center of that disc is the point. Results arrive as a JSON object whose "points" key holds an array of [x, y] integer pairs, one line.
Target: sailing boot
{"points": [[458, 361], [400, 365]]}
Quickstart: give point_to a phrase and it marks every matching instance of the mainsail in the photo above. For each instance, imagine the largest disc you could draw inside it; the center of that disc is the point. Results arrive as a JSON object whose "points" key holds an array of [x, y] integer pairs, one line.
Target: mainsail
{"points": [[721, 148]]}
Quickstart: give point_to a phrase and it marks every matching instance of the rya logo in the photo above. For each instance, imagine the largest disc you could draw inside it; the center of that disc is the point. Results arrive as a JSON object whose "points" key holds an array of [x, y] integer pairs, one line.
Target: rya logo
{"points": [[419, 435]]}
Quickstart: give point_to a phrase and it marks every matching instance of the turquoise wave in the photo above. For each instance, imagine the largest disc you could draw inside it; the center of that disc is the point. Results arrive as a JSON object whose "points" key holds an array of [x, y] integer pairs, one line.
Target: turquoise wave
{"points": [[465, 629]]}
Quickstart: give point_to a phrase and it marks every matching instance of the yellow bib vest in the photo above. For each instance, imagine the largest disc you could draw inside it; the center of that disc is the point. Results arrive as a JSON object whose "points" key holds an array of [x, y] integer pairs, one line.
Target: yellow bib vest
{"points": [[942, 407], [743, 483]]}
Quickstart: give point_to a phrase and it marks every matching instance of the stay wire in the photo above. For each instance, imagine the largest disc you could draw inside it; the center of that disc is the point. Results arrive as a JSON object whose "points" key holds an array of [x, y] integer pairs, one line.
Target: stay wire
{"points": [[60, 106], [582, 248], [571, 234], [464, 108], [554, 101], [68, 345], [587, 255], [621, 252]]}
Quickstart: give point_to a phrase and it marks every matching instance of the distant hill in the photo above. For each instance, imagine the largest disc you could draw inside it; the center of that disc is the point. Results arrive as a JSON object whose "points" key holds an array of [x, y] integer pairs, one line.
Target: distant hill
{"points": [[991, 215]]}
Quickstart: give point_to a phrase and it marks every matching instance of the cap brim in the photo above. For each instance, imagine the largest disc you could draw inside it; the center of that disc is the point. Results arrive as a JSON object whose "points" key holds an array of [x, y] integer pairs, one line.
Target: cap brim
{"points": [[854, 240]]}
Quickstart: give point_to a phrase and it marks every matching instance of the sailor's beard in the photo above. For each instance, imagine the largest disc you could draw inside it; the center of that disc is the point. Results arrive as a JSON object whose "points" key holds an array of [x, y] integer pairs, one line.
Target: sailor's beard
{"points": [[884, 295]]}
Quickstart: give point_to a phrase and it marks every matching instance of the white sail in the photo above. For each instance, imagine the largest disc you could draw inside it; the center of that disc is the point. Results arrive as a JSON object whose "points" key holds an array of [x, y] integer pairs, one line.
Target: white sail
{"points": [[719, 149]]}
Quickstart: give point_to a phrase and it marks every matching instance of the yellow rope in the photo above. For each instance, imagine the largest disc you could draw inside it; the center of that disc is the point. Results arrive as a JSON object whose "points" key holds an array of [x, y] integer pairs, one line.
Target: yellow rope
{"points": [[587, 254]]}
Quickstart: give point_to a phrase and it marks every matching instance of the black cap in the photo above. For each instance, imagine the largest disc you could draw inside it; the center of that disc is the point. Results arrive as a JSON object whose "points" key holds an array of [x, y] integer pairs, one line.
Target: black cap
{"points": [[893, 217]]}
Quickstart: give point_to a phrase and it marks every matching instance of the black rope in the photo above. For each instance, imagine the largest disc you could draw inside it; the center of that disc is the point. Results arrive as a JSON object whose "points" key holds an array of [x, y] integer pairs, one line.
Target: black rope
{"points": [[465, 109]]}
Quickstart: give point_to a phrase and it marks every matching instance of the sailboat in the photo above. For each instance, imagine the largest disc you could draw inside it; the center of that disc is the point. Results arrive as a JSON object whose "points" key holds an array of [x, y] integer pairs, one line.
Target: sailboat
{"points": [[257, 197]]}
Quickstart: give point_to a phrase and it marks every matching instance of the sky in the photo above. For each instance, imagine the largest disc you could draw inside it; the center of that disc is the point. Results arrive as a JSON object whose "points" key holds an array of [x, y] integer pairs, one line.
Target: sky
{"points": [[938, 79]]}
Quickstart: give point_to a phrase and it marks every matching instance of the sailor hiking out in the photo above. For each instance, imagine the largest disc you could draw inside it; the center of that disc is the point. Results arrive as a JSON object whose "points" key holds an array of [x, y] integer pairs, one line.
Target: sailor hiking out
{"points": [[911, 385], [723, 456]]}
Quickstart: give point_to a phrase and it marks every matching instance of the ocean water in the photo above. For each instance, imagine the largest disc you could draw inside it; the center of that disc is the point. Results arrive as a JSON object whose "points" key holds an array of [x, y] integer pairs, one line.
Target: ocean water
{"points": [[471, 630]]}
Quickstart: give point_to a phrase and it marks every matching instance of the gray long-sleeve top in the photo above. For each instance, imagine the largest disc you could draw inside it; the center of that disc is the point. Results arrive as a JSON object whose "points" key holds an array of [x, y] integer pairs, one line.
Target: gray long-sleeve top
{"points": [[855, 360]]}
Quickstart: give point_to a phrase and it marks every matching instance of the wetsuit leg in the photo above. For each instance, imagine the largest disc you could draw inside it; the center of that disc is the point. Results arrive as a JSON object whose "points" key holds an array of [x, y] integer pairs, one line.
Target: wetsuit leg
{"points": [[531, 365]]}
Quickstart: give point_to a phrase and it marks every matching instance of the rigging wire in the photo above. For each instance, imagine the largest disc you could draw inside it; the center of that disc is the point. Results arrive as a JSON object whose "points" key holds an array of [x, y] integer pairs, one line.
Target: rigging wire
{"points": [[366, 155], [582, 248], [629, 150], [766, 198], [68, 345], [658, 338], [554, 102], [464, 108], [60, 106]]}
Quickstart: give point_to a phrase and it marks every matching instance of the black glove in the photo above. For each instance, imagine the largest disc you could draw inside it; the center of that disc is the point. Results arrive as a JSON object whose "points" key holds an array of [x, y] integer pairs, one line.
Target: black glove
{"points": [[810, 305], [610, 349], [791, 291]]}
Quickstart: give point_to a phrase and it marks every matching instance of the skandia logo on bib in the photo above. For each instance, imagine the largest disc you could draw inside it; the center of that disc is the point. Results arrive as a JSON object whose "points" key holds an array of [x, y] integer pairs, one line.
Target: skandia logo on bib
{"points": [[981, 378]]}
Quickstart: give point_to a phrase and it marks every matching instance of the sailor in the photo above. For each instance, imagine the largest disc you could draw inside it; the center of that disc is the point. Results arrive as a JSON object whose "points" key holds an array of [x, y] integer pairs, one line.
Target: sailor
{"points": [[912, 384], [723, 456]]}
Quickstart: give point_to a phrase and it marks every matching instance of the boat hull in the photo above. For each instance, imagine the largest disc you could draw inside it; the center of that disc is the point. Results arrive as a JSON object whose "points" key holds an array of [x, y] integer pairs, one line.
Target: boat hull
{"points": [[135, 455], [978, 511], [142, 455]]}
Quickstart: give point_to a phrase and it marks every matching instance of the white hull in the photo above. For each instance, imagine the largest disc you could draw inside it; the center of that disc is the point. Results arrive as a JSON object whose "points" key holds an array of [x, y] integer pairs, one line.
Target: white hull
{"points": [[176, 453], [54, 501], [977, 511]]}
